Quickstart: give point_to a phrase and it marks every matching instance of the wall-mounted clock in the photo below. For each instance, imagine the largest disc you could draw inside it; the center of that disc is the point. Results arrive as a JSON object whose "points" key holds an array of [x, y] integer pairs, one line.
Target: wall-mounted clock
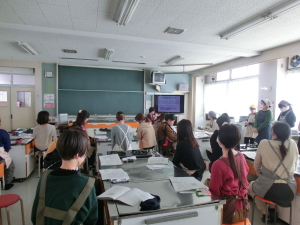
{"points": [[49, 74]]}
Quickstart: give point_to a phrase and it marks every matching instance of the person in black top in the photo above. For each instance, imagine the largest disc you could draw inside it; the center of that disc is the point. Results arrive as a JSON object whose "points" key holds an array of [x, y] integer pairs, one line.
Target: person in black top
{"points": [[188, 156], [287, 114], [216, 149]]}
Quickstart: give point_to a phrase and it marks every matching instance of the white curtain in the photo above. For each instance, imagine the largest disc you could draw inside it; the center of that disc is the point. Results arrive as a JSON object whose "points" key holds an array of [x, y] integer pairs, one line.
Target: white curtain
{"points": [[213, 101], [292, 85], [233, 97]]}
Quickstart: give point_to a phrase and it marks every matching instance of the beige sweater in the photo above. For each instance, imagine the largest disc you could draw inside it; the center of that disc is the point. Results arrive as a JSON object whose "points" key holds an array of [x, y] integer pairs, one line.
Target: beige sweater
{"points": [[44, 135], [146, 135], [266, 156]]}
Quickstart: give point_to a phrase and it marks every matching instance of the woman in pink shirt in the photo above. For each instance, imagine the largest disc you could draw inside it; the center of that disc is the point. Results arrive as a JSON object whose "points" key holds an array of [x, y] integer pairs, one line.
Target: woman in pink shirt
{"points": [[229, 176]]}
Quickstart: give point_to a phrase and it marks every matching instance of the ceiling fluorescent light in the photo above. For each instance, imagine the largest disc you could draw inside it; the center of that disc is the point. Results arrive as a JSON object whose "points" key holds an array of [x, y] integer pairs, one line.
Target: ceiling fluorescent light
{"points": [[174, 60], [264, 17], [129, 62], [125, 11], [28, 48], [78, 59], [108, 53]]}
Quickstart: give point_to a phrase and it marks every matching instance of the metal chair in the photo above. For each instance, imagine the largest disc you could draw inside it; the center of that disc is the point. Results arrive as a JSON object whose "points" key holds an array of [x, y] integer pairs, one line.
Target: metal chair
{"points": [[240, 223], [8, 200], [267, 206]]}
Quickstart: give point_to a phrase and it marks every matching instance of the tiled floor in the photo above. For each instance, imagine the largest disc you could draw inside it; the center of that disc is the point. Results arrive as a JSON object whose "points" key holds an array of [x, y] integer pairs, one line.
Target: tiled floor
{"points": [[27, 190]]}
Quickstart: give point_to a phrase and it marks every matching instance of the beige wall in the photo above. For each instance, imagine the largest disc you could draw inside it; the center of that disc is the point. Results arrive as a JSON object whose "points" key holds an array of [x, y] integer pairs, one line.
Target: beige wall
{"points": [[38, 77]]}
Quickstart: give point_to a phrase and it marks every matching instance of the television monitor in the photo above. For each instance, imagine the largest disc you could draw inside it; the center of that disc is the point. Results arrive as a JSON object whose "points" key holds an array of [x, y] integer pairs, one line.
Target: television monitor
{"points": [[158, 77], [169, 103]]}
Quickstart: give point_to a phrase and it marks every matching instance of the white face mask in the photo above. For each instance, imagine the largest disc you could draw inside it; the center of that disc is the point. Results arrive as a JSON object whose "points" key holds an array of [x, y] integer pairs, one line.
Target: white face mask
{"points": [[283, 109]]}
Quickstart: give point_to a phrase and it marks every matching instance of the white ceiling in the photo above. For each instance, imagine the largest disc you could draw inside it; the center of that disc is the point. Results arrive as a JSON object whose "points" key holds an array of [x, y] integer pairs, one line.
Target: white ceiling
{"points": [[88, 26]]}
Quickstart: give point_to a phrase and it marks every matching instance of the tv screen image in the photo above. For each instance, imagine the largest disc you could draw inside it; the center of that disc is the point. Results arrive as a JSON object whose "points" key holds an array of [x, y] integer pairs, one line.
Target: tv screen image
{"points": [[169, 103]]}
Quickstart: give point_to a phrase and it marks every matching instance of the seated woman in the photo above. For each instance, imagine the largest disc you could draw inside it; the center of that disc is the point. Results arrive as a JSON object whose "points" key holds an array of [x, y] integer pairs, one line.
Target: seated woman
{"points": [[43, 134], [229, 175], [65, 189], [212, 125], [216, 150], [275, 163], [166, 134], [145, 132], [121, 134], [188, 155], [81, 120]]}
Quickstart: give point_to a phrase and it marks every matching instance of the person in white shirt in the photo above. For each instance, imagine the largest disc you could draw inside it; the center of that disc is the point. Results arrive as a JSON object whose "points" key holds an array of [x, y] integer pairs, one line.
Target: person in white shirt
{"points": [[212, 125], [43, 133]]}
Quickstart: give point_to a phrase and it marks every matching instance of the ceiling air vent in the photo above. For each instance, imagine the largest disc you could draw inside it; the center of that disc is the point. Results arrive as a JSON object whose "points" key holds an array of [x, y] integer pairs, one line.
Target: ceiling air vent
{"points": [[171, 30], [69, 51]]}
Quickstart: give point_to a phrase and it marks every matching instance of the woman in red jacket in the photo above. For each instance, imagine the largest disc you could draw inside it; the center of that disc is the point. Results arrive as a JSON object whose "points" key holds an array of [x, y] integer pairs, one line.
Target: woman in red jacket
{"points": [[229, 175]]}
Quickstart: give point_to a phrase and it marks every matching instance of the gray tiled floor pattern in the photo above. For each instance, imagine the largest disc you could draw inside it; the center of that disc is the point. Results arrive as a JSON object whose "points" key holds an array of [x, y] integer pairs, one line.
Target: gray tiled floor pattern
{"points": [[27, 192]]}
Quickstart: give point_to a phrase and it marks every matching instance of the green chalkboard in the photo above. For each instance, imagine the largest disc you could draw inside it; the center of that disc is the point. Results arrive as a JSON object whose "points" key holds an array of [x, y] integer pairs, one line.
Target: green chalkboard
{"points": [[100, 91]]}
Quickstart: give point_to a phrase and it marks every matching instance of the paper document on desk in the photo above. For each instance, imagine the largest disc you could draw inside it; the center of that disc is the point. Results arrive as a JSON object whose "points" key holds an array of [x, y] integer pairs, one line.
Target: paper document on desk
{"points": [[110, 160], [156, 167], [126, 195], [99, 132], [158, 161], [101, 136], [186, 183], [114, 174]]}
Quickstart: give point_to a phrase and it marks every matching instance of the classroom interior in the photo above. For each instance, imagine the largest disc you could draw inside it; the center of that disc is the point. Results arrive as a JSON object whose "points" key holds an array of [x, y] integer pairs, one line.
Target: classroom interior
{"points": [[69, 55]]}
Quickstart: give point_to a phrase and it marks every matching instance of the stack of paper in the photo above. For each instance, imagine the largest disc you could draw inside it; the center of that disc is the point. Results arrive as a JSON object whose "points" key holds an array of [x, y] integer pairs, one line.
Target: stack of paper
{"points": [[186, 183], [99, 132], [110, 160], [114, 174], [158, 161], [126, 195]]}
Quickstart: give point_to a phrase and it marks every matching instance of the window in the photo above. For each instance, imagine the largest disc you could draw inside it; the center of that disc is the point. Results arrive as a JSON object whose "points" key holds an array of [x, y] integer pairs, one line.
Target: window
{"points": [[5, 79], [233, 96], [3, 98], [24, 79], [292, 83], [23, 99], [225, 75], [246, 71]]}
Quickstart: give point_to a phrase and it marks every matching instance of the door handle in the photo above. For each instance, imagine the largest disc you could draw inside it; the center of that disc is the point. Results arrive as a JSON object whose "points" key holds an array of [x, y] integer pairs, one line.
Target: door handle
{"points": [[172, 217]]}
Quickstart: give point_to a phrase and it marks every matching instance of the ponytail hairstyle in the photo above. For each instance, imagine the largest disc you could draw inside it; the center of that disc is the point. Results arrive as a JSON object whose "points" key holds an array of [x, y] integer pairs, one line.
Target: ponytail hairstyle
{"points": [[141, 117], [282, 130], [81, 117], [230, 136], [284, 103], [185, 132]]}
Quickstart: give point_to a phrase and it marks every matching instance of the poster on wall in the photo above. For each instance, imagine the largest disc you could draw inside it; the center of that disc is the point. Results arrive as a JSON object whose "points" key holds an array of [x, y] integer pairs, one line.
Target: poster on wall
{"points": [[48, 104], [49, 97]]}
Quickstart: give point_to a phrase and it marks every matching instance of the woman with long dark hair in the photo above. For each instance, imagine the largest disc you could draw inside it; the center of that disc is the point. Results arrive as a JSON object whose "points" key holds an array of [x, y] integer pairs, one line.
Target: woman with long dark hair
{"points": [[216, 150], [229, 175], [275, 163], [188, 156], [81, 119]]}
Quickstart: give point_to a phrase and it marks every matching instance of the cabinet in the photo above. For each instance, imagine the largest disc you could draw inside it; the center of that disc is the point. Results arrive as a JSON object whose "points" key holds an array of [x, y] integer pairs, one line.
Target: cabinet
{"points": [[203, 145], [24, 159]]}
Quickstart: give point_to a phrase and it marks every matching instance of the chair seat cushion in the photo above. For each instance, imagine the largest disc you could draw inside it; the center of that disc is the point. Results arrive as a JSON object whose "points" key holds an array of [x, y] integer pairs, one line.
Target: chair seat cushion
{"points": [[9, 199]]}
